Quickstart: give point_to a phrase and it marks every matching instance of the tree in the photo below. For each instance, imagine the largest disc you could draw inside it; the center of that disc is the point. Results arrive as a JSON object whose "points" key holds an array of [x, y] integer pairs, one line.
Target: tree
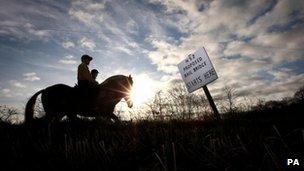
{"points": [[231, 95], [299, 95], [156, 106], [177, 103], [7, 112]]}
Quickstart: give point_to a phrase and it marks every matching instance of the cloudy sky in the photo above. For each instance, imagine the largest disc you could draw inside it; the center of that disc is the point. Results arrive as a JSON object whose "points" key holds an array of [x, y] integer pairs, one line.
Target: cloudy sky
{"points": [[256, 46]]}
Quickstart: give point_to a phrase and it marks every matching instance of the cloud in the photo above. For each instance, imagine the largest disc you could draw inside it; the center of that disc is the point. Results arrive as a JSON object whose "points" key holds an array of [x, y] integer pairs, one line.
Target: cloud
{"points": [[87, 12], [281, 75], [68, 44], [68, 60], [39, 33], [124, 49], [241, 47], [24, 30], [87, 43], [16, 22], [95, 6], [167, 55], [69, 57], [221, 22], [253, 45], [6, 92], [279, 89], [31, 76], [17, 84], [132, 26], [82, 16]]}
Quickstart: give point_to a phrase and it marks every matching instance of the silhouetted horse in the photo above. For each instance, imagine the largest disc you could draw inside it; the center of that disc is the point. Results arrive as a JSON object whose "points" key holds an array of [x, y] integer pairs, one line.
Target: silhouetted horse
{"points": [[60, 100]]}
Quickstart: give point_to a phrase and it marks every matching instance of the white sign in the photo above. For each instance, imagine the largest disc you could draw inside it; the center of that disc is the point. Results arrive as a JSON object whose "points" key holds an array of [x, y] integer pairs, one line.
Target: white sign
{"points": [[197, 70]]}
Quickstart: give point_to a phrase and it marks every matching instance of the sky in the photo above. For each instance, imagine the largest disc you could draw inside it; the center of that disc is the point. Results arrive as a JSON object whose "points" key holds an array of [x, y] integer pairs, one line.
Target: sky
{"points": [[255, 46]]}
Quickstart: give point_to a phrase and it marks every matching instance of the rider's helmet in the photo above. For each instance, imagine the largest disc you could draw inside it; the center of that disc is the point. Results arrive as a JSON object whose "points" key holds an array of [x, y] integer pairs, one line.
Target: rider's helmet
{"points": [[94, 71], [86, 57]]}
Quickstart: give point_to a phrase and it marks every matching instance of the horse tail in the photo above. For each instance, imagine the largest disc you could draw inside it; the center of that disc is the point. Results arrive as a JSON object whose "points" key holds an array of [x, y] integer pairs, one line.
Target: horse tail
{"points": [[29, 108]]}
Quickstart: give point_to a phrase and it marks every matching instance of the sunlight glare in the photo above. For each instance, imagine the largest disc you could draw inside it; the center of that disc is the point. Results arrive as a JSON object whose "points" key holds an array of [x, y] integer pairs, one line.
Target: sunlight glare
{"points": [[143, 89]]}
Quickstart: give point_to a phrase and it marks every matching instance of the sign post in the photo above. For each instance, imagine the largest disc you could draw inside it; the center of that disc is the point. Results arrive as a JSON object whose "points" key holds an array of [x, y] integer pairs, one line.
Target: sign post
{"points": [[211, 102], [197, 71]]}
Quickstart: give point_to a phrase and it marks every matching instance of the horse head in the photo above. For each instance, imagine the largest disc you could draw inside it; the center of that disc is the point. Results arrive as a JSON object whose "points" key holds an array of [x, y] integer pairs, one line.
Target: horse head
{"points": [[119, 86]]}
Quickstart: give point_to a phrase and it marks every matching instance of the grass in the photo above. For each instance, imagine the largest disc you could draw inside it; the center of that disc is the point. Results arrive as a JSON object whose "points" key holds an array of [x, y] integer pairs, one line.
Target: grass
{"points": [[255, 140]]}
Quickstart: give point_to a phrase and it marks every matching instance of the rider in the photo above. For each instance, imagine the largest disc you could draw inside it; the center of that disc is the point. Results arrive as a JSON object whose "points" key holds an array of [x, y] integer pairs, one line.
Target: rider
{"points": [[85, 82], [84, 76], [94, 73]]}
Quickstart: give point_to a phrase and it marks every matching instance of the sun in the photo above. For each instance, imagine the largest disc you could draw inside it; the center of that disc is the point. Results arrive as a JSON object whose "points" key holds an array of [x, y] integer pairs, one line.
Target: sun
{"points": [[143, 89]]}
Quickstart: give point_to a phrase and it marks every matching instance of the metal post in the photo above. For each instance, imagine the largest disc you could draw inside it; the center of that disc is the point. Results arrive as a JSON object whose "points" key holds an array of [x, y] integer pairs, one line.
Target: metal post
{"points": [[211, 102]]}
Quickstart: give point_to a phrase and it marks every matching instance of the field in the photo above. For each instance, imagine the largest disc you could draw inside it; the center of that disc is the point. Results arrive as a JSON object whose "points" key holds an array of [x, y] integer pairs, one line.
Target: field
{"points": [[255, 140]]}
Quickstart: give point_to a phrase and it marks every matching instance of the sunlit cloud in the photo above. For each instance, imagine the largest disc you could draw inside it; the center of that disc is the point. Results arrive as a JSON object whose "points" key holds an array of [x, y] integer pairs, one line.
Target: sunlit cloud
{"points": [[68, 44], [256, 46], [223, 32], [87, 43], [68, 60], [31, 76], [87, 12]]}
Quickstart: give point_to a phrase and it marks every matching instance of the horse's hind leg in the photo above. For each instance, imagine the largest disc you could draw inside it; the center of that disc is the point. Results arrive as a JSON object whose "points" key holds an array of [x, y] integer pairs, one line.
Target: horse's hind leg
{"points": [[48, 117], [52, 117]]}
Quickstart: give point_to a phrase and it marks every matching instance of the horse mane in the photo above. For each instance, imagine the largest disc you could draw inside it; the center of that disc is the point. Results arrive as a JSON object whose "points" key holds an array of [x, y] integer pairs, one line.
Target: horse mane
{"points": [[114, 77], [112, 80]]}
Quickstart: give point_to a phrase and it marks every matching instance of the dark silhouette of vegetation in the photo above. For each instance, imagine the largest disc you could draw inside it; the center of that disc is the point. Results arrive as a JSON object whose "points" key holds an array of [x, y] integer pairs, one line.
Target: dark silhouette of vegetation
{"points": [[299, 95], [256, 140], [177, 103], [230, 93], [261, 138]]}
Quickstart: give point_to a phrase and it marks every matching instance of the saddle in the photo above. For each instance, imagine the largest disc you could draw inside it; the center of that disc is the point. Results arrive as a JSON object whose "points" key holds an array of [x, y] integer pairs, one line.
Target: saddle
{"points": [[84, 95]]}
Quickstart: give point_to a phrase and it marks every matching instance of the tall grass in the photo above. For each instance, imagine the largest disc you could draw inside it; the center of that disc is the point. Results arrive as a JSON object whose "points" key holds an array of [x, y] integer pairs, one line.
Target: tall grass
{"points": [[256, 140]]}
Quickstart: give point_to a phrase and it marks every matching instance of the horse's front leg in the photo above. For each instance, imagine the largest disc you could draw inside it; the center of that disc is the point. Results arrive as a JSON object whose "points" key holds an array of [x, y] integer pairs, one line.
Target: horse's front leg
{"points": [[114, 117], [111, 115]]}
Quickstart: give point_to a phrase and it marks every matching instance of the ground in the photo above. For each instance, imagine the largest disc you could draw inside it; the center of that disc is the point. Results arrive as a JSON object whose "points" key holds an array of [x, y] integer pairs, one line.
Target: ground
{"points": [[255, 140]]}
